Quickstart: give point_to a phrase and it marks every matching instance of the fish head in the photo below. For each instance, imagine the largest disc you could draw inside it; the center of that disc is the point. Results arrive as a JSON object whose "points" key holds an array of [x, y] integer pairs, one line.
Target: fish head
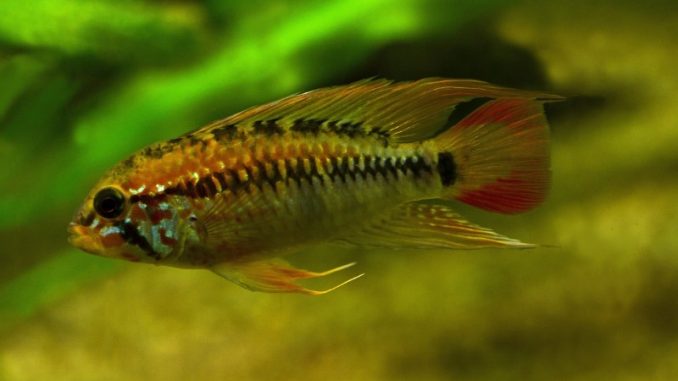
{"points": [[114, 222]]}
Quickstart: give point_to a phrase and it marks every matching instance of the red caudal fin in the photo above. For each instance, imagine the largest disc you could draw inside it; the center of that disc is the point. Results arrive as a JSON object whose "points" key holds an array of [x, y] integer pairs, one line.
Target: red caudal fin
{"points": [[500, 156]]}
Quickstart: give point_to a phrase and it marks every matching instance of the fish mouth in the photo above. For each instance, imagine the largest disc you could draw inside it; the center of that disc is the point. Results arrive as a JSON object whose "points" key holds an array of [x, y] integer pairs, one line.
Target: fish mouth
{"points": [[82, 238]]}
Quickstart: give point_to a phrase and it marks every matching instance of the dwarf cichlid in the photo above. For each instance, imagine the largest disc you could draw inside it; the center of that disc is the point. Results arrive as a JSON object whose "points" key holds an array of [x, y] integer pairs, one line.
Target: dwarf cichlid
{"points": [[345, 164]]}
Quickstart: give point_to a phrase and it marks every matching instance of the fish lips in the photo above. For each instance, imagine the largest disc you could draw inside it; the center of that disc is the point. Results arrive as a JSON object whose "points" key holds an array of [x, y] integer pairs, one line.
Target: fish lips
{"points": [[82, 238]]}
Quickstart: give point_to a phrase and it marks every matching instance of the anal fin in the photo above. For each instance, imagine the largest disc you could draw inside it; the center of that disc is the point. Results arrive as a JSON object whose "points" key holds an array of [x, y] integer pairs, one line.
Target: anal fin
{"points": [[426, 226], [275, 275]]}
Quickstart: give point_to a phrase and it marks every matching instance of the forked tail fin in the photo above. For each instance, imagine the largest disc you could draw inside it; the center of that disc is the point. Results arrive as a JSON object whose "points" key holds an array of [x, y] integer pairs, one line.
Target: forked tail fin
{"points": [[498, 156]]}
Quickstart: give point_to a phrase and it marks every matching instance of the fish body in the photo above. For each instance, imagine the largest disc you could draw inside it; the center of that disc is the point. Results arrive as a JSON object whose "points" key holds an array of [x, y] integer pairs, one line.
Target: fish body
{"points": [[347, 163]]}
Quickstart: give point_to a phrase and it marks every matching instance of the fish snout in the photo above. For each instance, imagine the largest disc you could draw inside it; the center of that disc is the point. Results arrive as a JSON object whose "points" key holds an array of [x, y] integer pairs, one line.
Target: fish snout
{"points": [[82, 238]]}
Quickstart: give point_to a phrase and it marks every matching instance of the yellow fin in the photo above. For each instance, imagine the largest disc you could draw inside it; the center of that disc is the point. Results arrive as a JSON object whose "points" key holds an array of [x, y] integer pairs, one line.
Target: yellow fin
{"points": [[275, 275], [407, 111], [424, 226]]}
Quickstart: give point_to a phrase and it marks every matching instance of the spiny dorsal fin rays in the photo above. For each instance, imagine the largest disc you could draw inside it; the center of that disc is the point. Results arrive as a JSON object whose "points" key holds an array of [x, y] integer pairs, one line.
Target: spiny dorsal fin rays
{"points": [[409, 111], [308, 102]]}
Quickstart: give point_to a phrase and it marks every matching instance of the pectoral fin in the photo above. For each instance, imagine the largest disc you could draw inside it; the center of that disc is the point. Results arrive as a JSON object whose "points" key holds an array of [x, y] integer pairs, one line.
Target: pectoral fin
{"points": [[274, 275], [424, 226]]}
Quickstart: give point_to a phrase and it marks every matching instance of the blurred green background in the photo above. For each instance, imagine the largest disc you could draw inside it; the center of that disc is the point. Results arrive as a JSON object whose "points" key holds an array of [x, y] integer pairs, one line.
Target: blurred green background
{"points": [[85, 83]]}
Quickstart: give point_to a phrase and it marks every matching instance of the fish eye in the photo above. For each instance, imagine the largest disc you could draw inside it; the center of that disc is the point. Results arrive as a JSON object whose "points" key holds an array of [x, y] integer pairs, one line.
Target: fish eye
{"points": [[109, 202]]}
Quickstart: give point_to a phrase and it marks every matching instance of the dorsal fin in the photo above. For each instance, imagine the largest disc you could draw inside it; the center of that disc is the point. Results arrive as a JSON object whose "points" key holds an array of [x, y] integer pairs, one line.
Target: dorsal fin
{"points": [[408, 111]]}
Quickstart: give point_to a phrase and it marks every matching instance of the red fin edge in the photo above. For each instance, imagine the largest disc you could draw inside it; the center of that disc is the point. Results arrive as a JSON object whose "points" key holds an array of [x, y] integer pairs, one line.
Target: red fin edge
{"points": [[514, 194], [501, 153]]}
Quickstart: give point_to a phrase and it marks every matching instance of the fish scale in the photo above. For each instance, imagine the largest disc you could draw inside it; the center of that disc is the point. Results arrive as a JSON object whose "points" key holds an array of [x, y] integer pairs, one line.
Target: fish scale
{"points": [[235, 168], [369, 181], [347, 163]]}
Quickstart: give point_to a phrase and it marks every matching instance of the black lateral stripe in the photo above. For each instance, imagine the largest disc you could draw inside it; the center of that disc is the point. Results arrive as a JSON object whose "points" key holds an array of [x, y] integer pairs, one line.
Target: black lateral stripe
{"points": [[176, 190], [370, 164], [263, 174], [296, 171], [411, 163], [231, 178], [207, 186], [270, 178], [390, 168], [221, 179], [342, 167], [201, 188], [337, 169], [417, 165], [375, 166], [184, 188], [292, 172], [301, 171], [250, 179], [254, 174], [363, 173], [366, 160], [334, 168], [315, 172], [400, 166], [385, 167], [190, 189], [238, 182], [235, 180], [131, 234], [379, 166]]}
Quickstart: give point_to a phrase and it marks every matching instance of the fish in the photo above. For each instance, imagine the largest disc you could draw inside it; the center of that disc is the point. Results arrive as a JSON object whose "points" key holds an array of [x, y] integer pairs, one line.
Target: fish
{"points": [[372, 164]]}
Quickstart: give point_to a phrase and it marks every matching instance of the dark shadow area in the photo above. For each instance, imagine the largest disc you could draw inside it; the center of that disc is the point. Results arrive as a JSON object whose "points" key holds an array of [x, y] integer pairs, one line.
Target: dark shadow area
{"points": [[577, 105], [655, 307], [473, 52]]}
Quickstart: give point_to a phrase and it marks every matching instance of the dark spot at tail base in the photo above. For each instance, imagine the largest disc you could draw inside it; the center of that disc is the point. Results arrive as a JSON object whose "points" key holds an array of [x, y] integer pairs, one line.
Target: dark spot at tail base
{"points": [[447, 168]]}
